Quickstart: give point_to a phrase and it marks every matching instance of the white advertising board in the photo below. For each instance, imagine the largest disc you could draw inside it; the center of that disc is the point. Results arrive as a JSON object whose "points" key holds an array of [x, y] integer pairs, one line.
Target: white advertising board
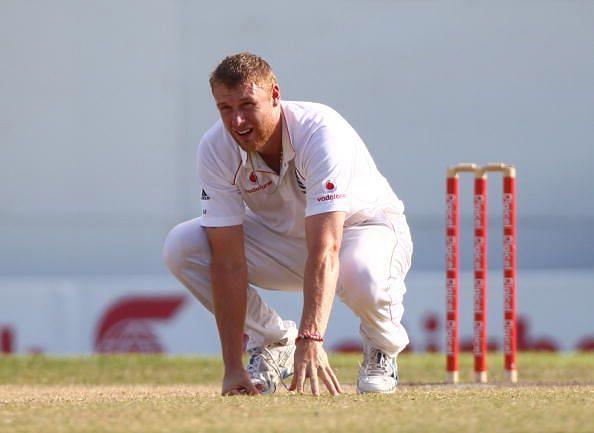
{"points": [[156, 314]]}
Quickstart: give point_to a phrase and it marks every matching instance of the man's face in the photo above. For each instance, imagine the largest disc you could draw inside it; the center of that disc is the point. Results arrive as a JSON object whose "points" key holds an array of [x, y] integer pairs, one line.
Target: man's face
{"points": [[250, 112]]}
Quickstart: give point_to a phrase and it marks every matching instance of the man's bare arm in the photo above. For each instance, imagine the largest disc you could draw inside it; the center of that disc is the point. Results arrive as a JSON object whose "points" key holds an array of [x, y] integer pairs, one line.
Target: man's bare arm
{"points": [[228, 270], [324, 237]]}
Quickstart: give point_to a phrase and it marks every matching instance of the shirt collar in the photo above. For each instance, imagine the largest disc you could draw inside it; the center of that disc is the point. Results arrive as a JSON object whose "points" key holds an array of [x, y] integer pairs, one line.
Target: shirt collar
{"points": [[244, 155], [287, 146], [288, 150]]}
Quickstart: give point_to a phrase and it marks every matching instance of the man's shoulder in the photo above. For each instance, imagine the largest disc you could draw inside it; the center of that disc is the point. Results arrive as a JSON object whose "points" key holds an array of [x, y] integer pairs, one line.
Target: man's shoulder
{"points": [[215, 134], [302, 110], [305, 118], [217, 140], [217, 145]]}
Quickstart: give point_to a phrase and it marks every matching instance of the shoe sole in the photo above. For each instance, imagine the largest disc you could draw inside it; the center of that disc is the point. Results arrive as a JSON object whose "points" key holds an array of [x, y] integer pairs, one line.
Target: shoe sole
{"points": [[392, 391], [389, 391]]}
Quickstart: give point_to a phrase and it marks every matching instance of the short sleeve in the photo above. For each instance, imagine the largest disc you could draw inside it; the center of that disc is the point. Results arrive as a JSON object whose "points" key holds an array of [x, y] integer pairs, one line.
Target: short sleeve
{"points": [[222, 204], [327, 166]]}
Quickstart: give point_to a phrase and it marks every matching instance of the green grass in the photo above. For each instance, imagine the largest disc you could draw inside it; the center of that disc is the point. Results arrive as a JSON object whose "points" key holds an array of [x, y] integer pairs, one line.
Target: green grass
{"points": [[161, 370], [181, 394]]}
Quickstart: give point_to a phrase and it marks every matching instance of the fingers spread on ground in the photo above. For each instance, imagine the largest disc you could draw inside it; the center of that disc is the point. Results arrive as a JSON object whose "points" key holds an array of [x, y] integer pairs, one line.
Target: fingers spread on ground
{"points": [[315, 386], [300, 379], [328, 382], [335, 380]]}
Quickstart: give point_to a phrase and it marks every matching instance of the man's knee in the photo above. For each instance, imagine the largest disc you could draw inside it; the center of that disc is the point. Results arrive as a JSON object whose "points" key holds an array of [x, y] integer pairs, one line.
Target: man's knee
{"points": [[185, 240], [364, 285]]}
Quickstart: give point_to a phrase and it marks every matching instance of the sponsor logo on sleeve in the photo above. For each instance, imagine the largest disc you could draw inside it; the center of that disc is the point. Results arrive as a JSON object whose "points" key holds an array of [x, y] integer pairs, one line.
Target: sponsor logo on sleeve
{"points": [[330, 186], [330, 197]]}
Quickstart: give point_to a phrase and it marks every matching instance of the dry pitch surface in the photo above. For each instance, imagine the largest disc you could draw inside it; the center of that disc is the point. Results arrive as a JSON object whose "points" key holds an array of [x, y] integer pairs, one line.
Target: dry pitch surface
{"points": [[161, 394]]}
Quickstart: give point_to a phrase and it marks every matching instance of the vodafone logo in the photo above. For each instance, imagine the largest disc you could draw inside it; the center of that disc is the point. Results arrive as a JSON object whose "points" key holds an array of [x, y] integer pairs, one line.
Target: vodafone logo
{"points": [[259, 187], [253, 178], [329, 197], [330, 185], [127, 325]]}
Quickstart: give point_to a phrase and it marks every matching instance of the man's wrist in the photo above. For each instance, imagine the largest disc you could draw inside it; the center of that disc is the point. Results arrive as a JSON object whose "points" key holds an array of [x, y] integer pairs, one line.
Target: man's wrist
{"points": [[309, 336], [233, 360], [234, 366]]}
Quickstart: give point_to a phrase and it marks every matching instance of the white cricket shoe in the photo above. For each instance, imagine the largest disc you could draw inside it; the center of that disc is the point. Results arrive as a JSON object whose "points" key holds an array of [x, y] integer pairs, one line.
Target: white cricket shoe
{"points": [[268, 366], [378, 373]]}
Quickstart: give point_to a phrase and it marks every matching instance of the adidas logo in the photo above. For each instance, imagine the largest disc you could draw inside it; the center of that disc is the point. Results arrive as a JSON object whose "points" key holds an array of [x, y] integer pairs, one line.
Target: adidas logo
{"points": [[204, 195], [300, 183]]}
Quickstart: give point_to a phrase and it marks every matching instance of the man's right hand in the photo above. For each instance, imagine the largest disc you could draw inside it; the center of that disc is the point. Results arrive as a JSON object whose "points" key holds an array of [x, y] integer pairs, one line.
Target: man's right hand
{"points": [[238, 382], [228, 273]]}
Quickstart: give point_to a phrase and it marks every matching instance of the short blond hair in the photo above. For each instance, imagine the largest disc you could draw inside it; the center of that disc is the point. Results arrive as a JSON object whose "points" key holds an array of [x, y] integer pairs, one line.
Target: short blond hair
{"points": [[242, 68]]}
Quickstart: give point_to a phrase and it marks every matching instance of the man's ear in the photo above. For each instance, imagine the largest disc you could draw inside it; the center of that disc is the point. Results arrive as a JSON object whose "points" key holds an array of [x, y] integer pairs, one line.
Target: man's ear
{"points": [[275, 94]]}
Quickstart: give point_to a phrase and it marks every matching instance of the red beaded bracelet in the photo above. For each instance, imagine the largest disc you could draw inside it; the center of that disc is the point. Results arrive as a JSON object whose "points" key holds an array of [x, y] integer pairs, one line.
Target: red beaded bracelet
{"points": [[314, 336]]}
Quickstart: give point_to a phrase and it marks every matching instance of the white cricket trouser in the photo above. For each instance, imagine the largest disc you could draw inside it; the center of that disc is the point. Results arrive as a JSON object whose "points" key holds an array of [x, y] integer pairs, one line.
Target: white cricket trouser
{"points": [[374, 259]]}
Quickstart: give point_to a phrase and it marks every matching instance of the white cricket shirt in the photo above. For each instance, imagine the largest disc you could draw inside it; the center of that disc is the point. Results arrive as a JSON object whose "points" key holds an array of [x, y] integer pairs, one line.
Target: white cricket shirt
{"points": [[326, 167]]}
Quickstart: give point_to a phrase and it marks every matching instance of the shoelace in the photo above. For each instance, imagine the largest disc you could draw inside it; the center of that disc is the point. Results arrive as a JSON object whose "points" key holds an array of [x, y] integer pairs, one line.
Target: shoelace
{"points": [[378, 364], [255, 360], [257, 355]]}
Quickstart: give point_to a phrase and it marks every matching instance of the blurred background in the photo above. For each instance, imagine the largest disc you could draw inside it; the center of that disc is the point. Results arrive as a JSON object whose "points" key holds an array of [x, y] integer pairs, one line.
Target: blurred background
{"points": [[102, 104]]}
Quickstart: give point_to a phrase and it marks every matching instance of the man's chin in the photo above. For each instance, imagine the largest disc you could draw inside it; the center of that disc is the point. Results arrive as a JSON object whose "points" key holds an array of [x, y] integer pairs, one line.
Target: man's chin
{"points": [[247, 145]]}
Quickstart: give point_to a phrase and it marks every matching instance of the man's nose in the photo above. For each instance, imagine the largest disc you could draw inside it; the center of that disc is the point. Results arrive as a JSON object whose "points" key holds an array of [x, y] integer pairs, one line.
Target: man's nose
{"points": [[237, 119]]}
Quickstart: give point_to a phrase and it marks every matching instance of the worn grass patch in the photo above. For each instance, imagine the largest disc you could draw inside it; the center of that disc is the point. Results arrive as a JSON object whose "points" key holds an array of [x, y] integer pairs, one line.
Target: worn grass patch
{"points": [[175, 394]]}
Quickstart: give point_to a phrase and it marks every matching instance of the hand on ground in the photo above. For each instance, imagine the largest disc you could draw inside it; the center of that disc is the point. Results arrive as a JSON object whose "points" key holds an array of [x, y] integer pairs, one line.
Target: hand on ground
{"points": [[311, 362], [237, 382]]}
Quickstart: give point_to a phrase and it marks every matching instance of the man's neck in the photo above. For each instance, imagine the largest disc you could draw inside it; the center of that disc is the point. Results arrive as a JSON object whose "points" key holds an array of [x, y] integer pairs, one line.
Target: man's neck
{"points": [[274, 148]]}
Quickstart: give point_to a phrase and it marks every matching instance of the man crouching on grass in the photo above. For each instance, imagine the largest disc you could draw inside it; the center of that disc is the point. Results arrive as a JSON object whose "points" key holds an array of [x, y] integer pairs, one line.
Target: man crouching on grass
{"points": [[292, 201]]}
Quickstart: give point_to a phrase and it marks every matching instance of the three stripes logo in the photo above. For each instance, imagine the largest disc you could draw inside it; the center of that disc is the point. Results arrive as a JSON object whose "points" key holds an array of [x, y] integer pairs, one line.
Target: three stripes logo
{"points": [[204, 195], [300, 182]]}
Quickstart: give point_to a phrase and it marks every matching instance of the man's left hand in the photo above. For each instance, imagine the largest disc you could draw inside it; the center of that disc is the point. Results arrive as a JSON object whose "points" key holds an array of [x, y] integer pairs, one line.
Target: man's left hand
{"points": [[311, 362]]}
